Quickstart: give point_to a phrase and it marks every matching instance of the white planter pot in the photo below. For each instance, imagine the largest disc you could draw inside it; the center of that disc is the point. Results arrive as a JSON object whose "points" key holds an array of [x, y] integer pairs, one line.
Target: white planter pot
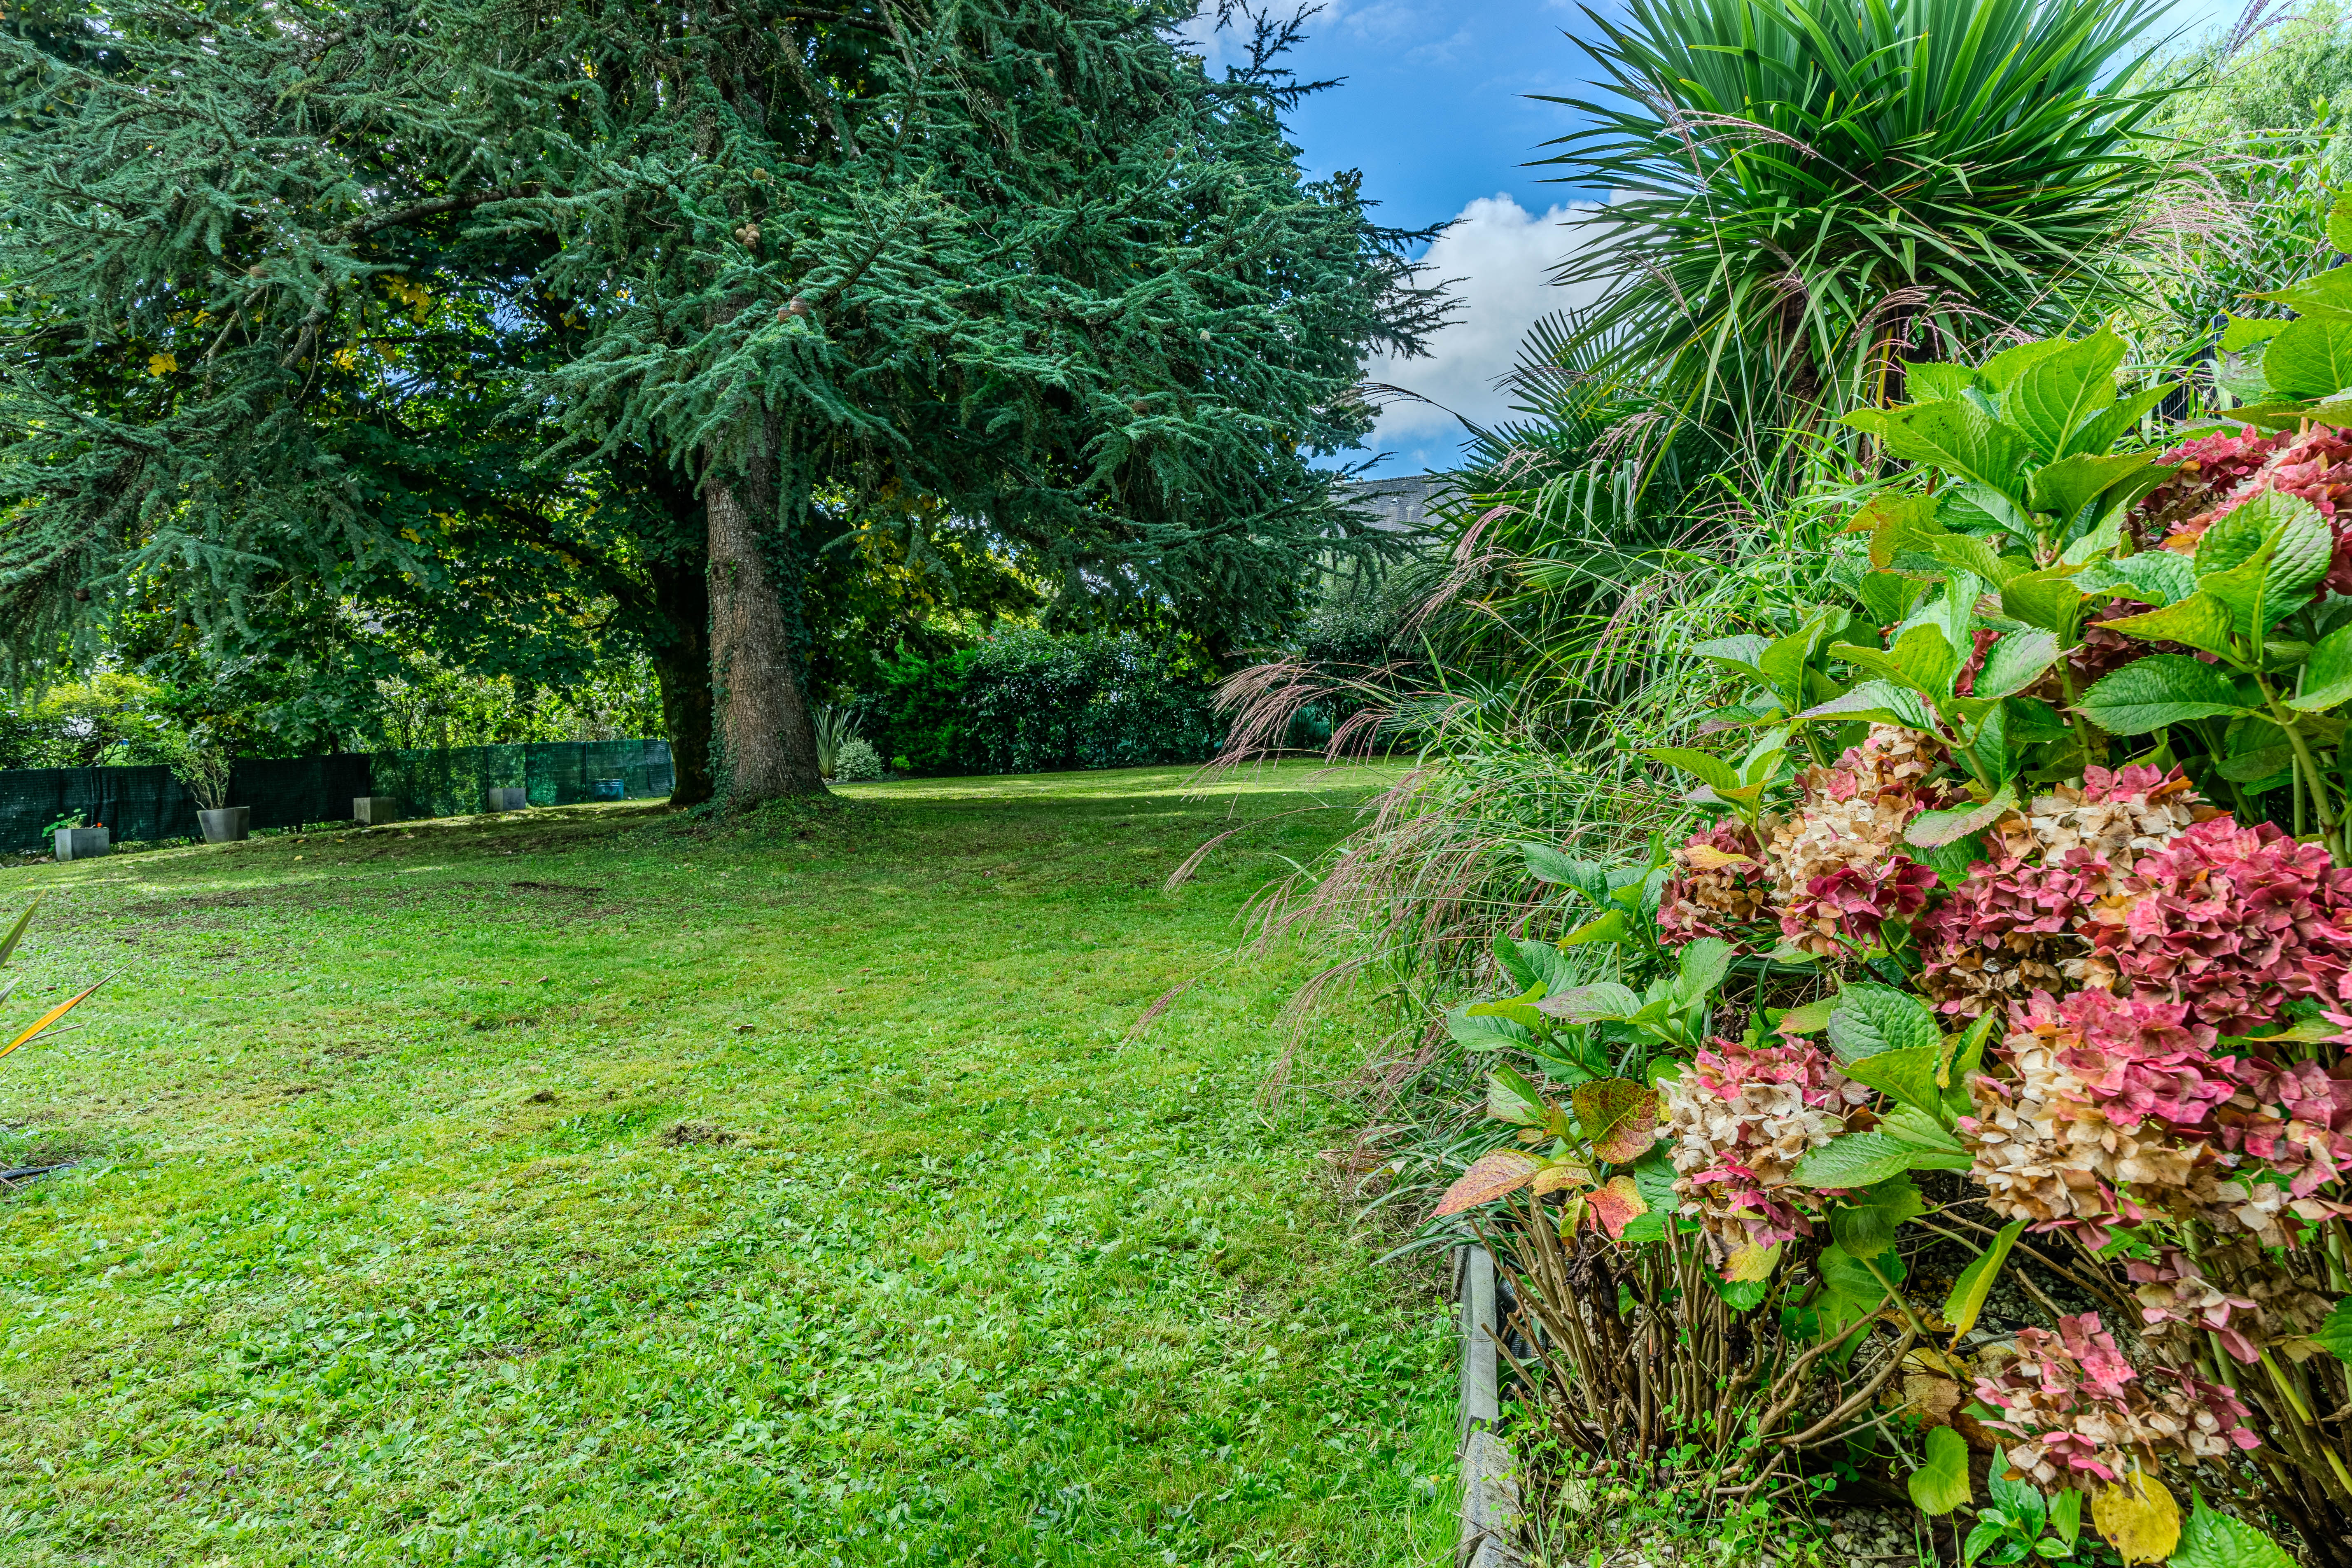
{"points": [[83, 843], [229, 825], [375, 810], [509, 800]]}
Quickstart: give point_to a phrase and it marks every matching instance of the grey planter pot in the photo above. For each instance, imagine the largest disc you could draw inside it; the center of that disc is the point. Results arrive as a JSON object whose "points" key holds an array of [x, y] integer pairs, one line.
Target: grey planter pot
{"points": [[509, 800], [229, 825], [375, 810], [84, 843]]}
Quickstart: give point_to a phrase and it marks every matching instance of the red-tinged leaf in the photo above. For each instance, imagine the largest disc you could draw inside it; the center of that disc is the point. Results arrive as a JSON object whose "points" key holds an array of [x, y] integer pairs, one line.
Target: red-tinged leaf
{"points": [[1619, 1118], [1617, 1205], [1493, 1175], [1552, 1178]]}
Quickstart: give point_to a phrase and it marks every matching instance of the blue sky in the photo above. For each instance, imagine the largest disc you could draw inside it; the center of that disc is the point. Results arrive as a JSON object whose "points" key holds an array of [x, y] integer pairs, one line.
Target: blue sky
{"points": [[1436, 111]]}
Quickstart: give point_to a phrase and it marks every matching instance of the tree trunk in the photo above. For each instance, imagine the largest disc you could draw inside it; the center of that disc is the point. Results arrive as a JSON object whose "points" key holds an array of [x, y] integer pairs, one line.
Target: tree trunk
{"points": [[681, 655], [766, 733]]}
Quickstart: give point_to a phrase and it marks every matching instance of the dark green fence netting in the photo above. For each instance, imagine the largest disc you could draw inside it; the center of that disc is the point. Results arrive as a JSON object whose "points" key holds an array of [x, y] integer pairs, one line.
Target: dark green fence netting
{"points": [[457, 781], [137, 804], [146, 803]]}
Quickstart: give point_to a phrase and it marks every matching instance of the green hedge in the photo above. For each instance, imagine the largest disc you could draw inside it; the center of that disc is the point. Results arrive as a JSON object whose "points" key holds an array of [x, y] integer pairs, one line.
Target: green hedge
{"points": [[1030, 701]]}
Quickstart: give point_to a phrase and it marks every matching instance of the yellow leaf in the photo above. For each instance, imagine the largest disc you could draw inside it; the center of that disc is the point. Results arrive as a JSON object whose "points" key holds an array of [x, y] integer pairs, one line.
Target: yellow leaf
{"points": [[1751, 1263], [157, 364], [51, 1016], [1707, 858], [2139, 1518], [411, 535]]}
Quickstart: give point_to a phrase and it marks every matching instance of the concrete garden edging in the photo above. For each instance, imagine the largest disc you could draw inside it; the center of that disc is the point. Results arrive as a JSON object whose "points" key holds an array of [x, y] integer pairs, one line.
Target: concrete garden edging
{"points": [[1490, 1476]]}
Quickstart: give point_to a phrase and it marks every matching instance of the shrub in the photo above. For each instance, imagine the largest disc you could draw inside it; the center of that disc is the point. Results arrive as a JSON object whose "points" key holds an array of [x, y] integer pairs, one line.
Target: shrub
{"points": [[856, 762], [1967, 931], [1034, 701]]}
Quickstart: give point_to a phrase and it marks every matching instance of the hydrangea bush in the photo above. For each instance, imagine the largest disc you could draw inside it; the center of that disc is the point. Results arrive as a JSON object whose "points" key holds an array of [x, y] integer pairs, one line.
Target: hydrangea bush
{"points": [[2021, 911]]}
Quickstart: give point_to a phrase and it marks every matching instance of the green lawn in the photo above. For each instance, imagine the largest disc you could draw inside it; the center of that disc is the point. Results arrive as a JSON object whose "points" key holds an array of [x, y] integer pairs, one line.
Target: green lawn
{"points": [[598, 1187]]}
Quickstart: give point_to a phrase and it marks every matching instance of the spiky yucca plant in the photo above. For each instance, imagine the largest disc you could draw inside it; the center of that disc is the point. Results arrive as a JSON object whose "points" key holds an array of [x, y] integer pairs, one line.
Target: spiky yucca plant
{"points": [[1803, 191]]}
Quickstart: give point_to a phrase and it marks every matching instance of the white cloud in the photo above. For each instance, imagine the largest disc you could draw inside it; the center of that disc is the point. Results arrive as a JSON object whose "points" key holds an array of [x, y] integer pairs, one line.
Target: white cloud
{"points": [[1505, 257]]}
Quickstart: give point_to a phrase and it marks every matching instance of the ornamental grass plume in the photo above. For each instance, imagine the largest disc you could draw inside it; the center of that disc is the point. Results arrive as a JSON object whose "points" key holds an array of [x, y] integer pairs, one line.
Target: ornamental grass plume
{"points": [[1739, 1118], [1839, 872], [2235, 921], [2013, 925], [2085, 1414]]}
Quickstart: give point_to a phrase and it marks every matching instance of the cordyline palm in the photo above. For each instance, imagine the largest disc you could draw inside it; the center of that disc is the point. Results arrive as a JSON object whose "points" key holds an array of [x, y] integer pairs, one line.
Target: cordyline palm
{"points": [[1805, 194]]}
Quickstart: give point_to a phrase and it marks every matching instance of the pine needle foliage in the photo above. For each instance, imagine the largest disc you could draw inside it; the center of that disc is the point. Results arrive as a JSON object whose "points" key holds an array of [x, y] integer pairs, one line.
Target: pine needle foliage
{"points": [[1025, 259]]}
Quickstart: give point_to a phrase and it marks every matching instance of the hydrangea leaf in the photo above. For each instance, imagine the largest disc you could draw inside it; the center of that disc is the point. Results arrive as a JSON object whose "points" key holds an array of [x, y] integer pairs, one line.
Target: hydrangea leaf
{"points": [[1520, 1009], [2311, 358], [1858, 1282], [1870, 1018], [1485, 1033], [1492, 1176], [1710, 770], [1561, 1175], [1930, 830], [1956, 436], [1932, 1148], [1511, 1098], [1940, 1484], [1545, 965], [2160, 690], [1618, 1116], [1876, 699], [1546, 864], [1970, 1292], [1751, 1263], [1908, 1074], [2046, 599], [2070, 484], [2139, 1518], [1810, 1019], [2104, 429], [1856, 1160], [2200, 621], [1866, 1226], [1896, 524], [1604, 929], [2213, 1540], [1617, 1203], [2015, 662], [1974, 552], [1703, 965], [2326, 673], [2334, 1335], [2156, 576], [2243, 332], [1602, 1000], [2280, 576], [1655, 1175], [2061, 391]]}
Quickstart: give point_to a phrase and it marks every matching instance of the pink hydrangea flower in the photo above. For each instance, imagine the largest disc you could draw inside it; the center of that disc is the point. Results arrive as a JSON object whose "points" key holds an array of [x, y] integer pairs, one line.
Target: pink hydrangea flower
{"points": [[1740, 1118], [2083, 1413], [2232, 921]]}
